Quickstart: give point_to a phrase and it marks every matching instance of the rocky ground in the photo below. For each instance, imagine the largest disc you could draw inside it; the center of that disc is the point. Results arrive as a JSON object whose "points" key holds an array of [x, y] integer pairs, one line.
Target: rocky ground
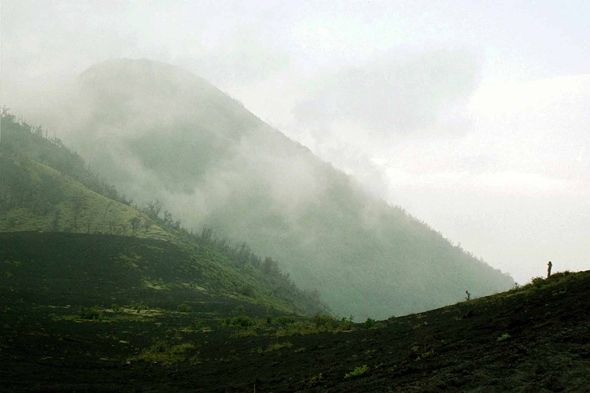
{"points": [[532, 339]]}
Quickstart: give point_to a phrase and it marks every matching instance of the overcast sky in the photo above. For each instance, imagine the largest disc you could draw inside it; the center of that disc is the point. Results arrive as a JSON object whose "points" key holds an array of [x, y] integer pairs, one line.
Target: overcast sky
{"points": [[474, 116]]}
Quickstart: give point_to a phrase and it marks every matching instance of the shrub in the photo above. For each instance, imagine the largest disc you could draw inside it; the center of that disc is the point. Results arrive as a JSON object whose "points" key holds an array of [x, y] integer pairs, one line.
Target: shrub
{"points": [[199, 325], [184, 308], [116, 308], [246, 290], [240, 310], [91, 313], [161, 353], [538, 282], [277, 346], [325, 321], [241, 321], [424, 355], [245, 333], [285, 320], [358, 371], [503, 337], [369, 323], [316, 379]]}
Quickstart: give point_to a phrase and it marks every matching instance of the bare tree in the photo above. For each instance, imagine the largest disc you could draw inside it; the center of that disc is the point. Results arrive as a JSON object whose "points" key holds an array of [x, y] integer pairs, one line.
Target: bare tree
{"points": [[154, 208], [146, 225], [135, 224], [78, 205]]}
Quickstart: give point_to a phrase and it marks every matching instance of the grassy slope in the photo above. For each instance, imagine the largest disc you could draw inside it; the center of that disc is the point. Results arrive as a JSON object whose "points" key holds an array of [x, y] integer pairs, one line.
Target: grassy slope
{"points": [[38, 198], [95, 213], [106, 269]]}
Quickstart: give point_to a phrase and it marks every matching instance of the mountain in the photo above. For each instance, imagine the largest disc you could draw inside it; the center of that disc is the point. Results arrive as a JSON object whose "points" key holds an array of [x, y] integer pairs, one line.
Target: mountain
{"points": [[160, 133], [66, 233]]}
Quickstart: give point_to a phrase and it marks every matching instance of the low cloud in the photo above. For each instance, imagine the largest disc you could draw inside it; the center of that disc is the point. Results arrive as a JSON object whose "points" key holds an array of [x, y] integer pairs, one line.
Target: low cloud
{"points": [[398, 94]]}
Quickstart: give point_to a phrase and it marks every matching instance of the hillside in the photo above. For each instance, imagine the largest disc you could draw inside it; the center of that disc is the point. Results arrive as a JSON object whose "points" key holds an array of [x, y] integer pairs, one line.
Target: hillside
{"points": [[62, 222], [532, 339], [160, 132]]}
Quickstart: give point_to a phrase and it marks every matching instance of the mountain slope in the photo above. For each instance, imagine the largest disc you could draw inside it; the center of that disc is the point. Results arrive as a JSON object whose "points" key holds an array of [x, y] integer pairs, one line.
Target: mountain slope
{"points": [[42, 190], [161, 132], [533, 338]]}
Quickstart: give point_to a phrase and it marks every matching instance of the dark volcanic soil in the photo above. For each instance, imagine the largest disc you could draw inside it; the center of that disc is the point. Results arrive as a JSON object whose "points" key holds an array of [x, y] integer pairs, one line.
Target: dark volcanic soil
{"points": [[536, 339]]}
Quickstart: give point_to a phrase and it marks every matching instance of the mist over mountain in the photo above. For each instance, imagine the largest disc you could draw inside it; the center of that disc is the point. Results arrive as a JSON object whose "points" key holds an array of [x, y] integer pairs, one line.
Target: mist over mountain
{"points": [[159, 132]]}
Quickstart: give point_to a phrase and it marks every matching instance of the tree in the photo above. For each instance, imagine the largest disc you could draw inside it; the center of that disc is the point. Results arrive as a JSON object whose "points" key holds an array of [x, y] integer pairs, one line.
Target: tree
{"points": [[135, 224], [146, 225], [153, 209], [78, 204], [270, 266]]}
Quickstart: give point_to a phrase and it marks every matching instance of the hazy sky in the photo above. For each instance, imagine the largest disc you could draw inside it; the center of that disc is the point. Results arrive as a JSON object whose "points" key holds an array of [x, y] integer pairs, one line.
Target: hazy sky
{"points": [[474, 116]]}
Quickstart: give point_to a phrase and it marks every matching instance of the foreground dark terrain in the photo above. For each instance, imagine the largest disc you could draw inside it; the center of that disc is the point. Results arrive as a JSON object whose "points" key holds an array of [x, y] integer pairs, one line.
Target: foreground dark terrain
{"points": [[86, 329]]}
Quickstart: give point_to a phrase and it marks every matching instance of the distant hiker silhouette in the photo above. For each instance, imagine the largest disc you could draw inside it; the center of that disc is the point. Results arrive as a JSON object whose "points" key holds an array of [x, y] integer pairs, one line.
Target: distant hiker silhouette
{"points": [[549, 266]]}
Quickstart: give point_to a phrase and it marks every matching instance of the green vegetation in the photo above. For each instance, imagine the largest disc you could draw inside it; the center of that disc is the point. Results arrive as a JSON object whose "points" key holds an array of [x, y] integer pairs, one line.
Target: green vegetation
{"points": [[357, 372], [200, 325], [558, 282], [240, 310], [332, 324], [424, 355], [166, 355], [314, 381], [245, 333], [91, 313], [46, 187], [277, 346], [318, 324], [370, 323], [184, 308], [503, 337], [138, 307], [242, 322], [284, 320]]}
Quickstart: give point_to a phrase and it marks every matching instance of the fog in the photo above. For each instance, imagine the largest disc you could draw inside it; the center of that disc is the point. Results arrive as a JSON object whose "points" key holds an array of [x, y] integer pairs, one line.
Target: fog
{"points": [[473, 117]]}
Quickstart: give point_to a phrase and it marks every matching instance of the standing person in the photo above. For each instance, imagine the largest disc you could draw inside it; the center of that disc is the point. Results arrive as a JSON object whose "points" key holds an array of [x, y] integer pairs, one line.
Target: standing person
{"points": [[549, 266]]}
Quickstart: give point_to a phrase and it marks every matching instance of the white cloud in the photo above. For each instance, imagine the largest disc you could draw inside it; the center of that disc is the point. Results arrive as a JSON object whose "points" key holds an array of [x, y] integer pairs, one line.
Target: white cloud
{"points": [[397, 94]]}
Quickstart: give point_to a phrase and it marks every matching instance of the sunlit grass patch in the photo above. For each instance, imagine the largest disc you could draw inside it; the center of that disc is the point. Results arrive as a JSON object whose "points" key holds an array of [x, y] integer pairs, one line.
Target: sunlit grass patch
{"points": [[277, 346], [273, 347], [244, 333], [161, 353], [184, 308], [357, 372], [90, 313], [314, 380], [157, 283], [503, 337], [318, 324]]}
